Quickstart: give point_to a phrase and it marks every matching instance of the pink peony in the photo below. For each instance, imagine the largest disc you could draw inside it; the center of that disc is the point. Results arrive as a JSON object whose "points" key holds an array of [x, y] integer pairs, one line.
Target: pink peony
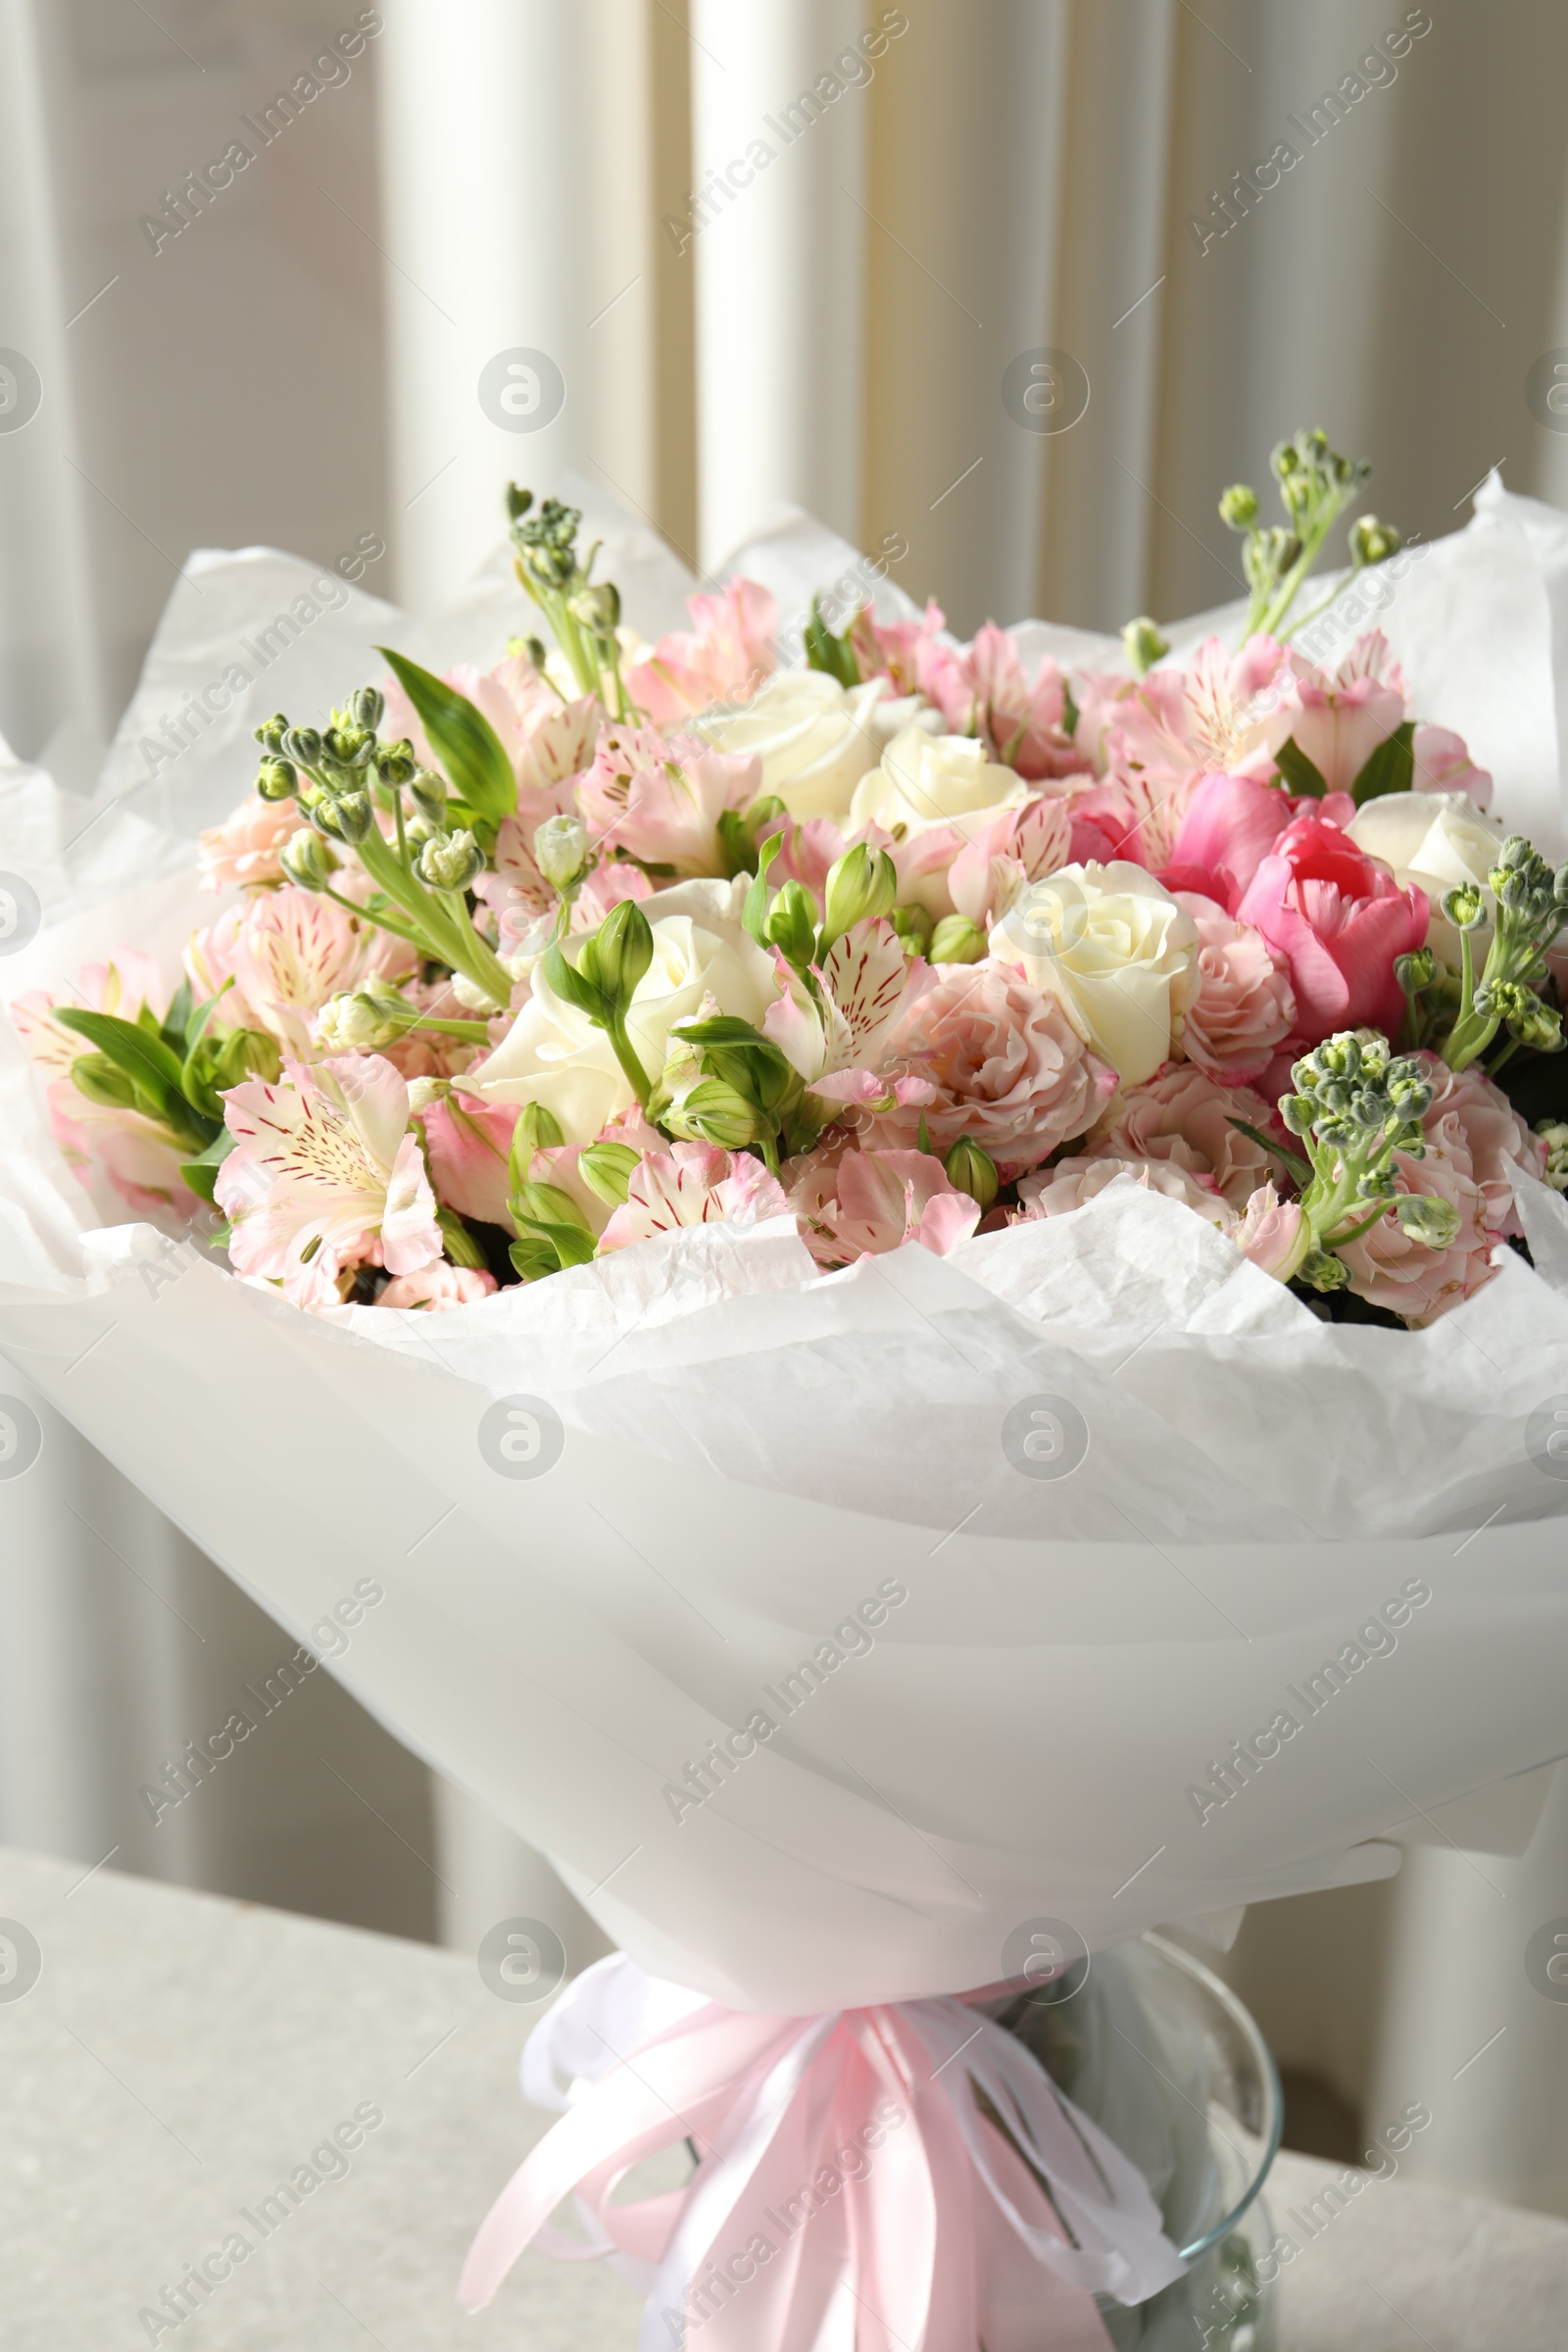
{"points": [[660, 801], [1073, 1183], [1009, 1071], [855, 1203], [1245, 1007], [242, 851], [1228, 827], [1390, 1268], [726, 655], [1339, 918], [437, 1288], [324, 1175], [1182, 1116], [693, 1184], [1475, 1125], [1443, 763], [468, 1141]]}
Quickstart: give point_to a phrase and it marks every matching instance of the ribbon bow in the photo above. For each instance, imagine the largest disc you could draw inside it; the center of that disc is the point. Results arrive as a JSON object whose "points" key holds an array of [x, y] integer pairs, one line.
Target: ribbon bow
{"points": [[899, 2178]]}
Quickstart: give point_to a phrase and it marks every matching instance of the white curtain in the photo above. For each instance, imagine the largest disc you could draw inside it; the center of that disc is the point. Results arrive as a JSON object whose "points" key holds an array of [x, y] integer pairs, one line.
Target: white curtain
{"points": [[317, 361]]}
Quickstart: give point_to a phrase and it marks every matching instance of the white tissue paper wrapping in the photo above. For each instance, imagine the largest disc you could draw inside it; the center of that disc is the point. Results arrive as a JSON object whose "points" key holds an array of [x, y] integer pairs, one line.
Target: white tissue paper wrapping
{"points": [[752, 1451]]}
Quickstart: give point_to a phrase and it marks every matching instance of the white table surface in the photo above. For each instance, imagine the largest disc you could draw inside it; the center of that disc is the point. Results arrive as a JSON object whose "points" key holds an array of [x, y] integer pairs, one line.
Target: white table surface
{"points": [[180, 2054]]}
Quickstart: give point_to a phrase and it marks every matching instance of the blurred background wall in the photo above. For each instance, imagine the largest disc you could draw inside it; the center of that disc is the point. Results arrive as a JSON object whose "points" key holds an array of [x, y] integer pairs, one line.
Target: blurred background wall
{"points": [[312, 352]]}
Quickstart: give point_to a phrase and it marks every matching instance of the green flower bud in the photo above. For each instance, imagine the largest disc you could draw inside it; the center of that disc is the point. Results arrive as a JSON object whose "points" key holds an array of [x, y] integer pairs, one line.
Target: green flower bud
{"points": [[1373, 542], [271, 731], [301, 745], [1424, 1219], [367, 707], [1145, 646], [620, 951], [1554, 1135], [861, 886], [537, 1130], [956, 940], [545, 1204], [350, 815], [1298, 1113], [1532, 1023], [711, 1111], [598, 608], [395, 762], [450, 861], [365, 1020], [913, 926], [790, 924], [537, 651], [606, 1169], [1238, 508], [1321, 1270], [974, 1171], [1464, 905], [277, 780], [307, 861], [428, 793], [1416, 971], [103, 1082], [561, 851]]}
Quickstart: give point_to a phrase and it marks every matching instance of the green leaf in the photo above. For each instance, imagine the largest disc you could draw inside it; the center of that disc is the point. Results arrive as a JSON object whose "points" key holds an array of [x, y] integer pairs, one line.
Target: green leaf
{"points": [[176, 1018], [1390, 768], [1069, 711], [147, 1062], [825, 651], [1301, 773], [534, 1257], [200, 1174], [754, 915], [1299, 1168], [461, 1245], [462, 739]]}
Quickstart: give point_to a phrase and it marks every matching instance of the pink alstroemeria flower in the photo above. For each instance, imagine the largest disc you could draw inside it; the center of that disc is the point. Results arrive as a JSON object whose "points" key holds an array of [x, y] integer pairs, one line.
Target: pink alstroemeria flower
{"points": [[468, 1140], [867, 984], [693, 1184], [1020, 847], [287, 951], [984, 689], [242, 851], [1339, 918], [325, 1173], [855, 1204], [660, 800], [545, 739], [730, 651], [135, 1154], [1443, 763], [1340, 725]]}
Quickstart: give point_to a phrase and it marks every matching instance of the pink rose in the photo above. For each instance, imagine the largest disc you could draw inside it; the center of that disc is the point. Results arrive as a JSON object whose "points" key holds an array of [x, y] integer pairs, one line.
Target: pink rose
{"points": [[242, 851], [1009, 1071], [1339, 918], [1390, 1268], [660, 801], [1245, 1007], [1182, 1116], [1072, 1182], [861, 1204], [437, 1288], [1475, 1125], [726, 655], [693, 1184]]}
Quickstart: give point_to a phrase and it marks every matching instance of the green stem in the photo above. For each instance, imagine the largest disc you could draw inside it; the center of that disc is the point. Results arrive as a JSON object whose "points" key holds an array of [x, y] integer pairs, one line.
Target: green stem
{"points": [[1498, 1059], [472, 1033], [479, 960], [626, 1055]]}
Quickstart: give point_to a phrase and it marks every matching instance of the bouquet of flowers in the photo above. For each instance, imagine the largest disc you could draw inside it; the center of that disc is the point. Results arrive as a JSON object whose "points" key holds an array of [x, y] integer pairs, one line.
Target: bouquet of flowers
{"points": [[860, 1202]]}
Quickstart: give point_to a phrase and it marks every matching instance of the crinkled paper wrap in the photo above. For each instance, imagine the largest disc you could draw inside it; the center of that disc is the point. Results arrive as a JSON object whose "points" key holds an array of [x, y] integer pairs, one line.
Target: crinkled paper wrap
{"points": [[752, 1453]]}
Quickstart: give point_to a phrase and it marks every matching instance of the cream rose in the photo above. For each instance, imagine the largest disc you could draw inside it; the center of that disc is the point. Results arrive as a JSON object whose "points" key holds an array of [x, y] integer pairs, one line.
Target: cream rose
{"points": [[1118, 953], [816, 738], [1435, 840], [554, 1055], [927, 781]]}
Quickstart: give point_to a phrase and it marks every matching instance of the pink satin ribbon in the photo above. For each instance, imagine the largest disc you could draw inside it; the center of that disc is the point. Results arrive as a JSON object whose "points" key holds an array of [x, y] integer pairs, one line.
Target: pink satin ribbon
{"points": [[851, 2194]]}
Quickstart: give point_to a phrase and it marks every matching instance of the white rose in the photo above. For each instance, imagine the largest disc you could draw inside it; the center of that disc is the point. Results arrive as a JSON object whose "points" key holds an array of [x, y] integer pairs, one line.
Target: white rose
{"points": [[1435, 840], [1117, 952], [927, 781], [816, 738], [554, 1055]]}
